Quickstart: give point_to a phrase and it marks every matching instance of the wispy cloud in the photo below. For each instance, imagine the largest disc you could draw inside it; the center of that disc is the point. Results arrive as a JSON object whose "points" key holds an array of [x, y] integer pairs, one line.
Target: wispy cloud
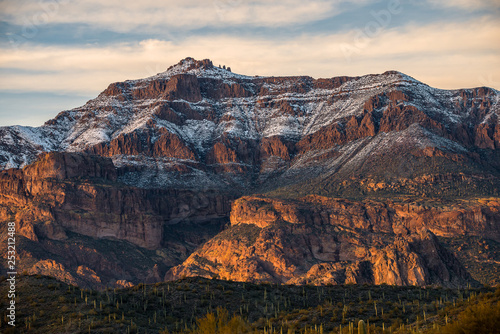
{"points": [[152, 15], [78, 47], [432, 53], [467, 4]]}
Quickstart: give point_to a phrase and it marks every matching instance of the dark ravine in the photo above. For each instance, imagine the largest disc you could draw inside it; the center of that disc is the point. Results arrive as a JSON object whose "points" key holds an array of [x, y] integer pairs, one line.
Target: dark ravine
{"points": [[356, 178]]}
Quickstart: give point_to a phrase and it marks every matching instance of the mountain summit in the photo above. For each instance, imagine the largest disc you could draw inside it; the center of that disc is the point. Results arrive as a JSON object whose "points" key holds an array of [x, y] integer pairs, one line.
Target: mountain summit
{"points": [[198, 125], [286, 179]]}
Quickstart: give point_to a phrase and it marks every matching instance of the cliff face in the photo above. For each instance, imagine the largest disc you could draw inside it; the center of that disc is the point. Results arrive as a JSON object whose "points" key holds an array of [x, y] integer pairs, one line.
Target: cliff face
{"points": [[327, 241], [357, 176], [68, 206], [455, 219], [196, 126], [323, 255], [78, 192]]}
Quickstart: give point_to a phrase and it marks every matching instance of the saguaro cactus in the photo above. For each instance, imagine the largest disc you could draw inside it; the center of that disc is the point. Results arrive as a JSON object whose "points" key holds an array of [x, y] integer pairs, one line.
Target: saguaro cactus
{"points": [[361, 327]]}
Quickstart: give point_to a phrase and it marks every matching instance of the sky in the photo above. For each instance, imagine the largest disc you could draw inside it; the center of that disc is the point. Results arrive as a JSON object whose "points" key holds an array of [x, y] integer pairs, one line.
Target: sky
{"points": [[57, 54]]}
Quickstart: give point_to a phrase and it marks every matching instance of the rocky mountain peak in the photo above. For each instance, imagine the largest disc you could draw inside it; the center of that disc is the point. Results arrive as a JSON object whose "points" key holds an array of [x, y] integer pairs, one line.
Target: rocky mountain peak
{"points": [[402, 76], [235, 125], [190, 63], [200, 68]]}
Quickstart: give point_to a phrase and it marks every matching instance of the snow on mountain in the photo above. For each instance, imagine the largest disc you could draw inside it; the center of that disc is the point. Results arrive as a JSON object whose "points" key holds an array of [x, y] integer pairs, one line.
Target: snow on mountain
{"points": [[207, 104]]}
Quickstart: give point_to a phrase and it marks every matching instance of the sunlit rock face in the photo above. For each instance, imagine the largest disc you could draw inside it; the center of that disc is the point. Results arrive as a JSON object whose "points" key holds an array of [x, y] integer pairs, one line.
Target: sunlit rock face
{"points": [[356, 177]]}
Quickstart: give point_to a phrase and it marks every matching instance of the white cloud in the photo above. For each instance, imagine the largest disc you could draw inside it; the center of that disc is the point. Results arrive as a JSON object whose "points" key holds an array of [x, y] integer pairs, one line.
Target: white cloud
{"points": [[444, 56], [153, 15]]}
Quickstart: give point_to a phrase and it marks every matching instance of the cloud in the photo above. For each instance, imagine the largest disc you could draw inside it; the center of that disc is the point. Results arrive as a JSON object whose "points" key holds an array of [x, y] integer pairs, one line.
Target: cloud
{"points": [[467, 4], [156, 16], [273, 37], [445, 56]]}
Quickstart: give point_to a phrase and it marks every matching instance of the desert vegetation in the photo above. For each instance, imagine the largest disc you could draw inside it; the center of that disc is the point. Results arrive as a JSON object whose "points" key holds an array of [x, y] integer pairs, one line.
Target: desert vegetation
{"points": [[198, 305]]}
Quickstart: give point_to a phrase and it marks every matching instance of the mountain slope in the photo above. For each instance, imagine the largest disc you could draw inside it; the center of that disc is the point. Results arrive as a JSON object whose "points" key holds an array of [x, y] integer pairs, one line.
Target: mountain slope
{"points": [[197, 125], [156, 164]]}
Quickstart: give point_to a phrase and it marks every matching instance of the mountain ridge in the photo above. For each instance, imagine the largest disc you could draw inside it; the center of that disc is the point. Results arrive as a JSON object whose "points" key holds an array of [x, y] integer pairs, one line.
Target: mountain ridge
{"points": [[215, 117], [159, 163]]}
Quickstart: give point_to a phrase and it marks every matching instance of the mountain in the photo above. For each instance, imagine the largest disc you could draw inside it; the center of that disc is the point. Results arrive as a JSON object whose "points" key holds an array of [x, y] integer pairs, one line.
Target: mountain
{"points": [[201, 171]]}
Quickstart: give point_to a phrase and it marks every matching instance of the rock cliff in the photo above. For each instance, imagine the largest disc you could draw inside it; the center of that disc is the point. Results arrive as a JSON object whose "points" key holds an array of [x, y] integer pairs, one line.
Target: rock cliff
{"points": [[335, 241], [358, 178], [72, 218], [196, 126]]}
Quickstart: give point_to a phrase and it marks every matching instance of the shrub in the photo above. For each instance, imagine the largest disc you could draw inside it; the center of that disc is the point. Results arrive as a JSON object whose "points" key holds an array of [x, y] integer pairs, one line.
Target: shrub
{"points": [[220, 324], [480, 318]]}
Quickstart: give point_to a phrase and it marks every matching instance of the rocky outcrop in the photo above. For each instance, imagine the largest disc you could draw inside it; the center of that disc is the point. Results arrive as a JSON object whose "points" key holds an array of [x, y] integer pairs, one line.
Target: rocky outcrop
{"points": [[487, 135], [221, 154], [302, 254], [275, 147], [215, 89], [473, 219], [166, 144], [178, 87], [326, 241], [77, 192], [61, 166]]}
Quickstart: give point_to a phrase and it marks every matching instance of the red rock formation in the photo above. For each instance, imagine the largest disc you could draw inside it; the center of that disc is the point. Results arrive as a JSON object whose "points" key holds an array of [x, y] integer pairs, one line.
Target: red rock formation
{"points": [[60, 166], [331, 83], [116, 90], [330, 241], [166, 144], [478, 219], [164, 112], [486, 135], [77, 192], [274, 146], [216, 89], [220, 154], [181, 86]]}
